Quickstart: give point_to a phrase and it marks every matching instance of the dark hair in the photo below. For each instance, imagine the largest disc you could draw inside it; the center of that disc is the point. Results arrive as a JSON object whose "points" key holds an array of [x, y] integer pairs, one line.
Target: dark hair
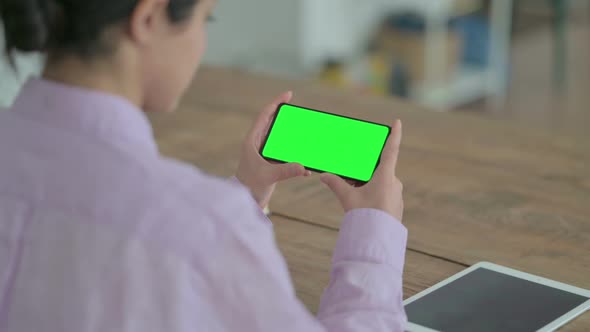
{"points": [[70, 26]]}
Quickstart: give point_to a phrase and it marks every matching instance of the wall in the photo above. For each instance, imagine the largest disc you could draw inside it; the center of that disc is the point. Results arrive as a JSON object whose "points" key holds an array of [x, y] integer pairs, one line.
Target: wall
{"points": [[258, 34], [294, 37], [337, 28]]}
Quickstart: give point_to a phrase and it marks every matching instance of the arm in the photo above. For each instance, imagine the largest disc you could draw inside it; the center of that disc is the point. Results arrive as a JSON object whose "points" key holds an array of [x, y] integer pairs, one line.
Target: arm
{"points": [[254, 291], [257, 174], [368, 262], [265, 209], [365, 291]]}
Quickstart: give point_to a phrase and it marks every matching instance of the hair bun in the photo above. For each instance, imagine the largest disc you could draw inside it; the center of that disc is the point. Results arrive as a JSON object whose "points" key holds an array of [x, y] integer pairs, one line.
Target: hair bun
{"points": [[28, 24]]}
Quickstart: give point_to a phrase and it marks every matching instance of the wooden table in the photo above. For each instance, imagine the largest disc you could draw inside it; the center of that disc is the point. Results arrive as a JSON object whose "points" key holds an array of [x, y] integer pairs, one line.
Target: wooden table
{"points": [[475, 189]]}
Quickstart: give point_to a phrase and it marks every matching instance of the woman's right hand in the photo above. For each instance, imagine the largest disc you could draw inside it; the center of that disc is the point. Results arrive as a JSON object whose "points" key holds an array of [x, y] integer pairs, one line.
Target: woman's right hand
{"points": [[383, 192]]}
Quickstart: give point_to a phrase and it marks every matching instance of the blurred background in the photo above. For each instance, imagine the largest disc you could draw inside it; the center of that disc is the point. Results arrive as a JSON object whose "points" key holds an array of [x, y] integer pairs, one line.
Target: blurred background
{"points": [[522, 60]]}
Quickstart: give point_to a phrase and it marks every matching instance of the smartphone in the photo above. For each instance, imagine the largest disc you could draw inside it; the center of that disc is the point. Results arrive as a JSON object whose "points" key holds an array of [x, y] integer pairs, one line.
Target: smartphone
{"points": [[325, 142]]}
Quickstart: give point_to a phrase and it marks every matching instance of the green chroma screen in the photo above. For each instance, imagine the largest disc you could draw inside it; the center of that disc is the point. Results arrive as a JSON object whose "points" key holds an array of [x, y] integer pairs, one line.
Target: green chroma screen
{"points": [[326, 142]]}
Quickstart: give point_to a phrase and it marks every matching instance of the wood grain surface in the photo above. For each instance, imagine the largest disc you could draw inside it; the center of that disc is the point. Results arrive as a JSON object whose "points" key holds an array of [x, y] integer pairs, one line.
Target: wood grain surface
{"points": [[475, 189]]}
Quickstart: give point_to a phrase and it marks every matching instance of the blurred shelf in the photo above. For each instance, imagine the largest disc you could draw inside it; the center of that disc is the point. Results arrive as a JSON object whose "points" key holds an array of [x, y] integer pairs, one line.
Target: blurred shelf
{"points": [[467, 85]]}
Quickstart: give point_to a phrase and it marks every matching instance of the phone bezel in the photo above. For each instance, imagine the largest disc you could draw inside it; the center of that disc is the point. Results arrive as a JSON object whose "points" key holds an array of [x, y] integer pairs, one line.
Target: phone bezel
{"points": [[276, 114]]}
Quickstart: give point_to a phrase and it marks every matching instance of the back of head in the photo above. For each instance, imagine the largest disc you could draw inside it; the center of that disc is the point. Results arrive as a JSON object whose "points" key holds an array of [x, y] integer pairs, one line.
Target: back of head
{"points": [[158, 43], [27, 23], [69, 26]]}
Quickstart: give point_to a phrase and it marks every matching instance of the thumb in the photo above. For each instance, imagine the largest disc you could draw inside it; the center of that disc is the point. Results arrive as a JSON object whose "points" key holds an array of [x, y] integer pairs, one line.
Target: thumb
{"points": [[336, 184], [287, 171], [262, 123]]}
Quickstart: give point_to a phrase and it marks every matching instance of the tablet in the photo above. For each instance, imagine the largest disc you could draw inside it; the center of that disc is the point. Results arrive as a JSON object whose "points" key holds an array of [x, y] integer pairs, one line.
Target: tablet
{"points": [[489, 297]]}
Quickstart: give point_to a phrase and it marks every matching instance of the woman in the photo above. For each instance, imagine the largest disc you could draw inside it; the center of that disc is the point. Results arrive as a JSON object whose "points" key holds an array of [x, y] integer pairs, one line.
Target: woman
{"points": [[98, 232]]}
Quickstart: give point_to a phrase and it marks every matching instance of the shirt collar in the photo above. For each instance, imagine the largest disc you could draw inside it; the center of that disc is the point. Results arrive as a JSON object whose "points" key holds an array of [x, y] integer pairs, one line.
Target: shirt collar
{"points": [[107, 117]]}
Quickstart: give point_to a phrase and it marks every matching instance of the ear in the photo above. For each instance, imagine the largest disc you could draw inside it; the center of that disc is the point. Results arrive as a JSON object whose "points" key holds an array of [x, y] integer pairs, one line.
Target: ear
{"points": [[148, 18]]}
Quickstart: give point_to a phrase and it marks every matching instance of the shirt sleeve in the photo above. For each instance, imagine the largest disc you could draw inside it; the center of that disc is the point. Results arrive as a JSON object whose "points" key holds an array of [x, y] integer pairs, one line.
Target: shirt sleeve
{"points": [[365, 292], [265, 210]]}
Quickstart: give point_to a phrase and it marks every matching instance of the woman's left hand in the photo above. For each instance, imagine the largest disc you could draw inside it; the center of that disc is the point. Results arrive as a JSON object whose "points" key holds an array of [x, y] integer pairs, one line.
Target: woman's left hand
{"points": [[256, 173]]}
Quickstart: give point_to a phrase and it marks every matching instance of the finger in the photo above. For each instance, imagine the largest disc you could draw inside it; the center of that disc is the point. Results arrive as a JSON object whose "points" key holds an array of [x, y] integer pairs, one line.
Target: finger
{"points": [[287, 171], [272, 162], [336, 184], [391, 151], [263, 120], [284, 97]]}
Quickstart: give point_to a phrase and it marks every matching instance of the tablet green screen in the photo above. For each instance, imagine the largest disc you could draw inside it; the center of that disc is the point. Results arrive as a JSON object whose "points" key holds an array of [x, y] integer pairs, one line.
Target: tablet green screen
{"points": [[326, 142]]}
